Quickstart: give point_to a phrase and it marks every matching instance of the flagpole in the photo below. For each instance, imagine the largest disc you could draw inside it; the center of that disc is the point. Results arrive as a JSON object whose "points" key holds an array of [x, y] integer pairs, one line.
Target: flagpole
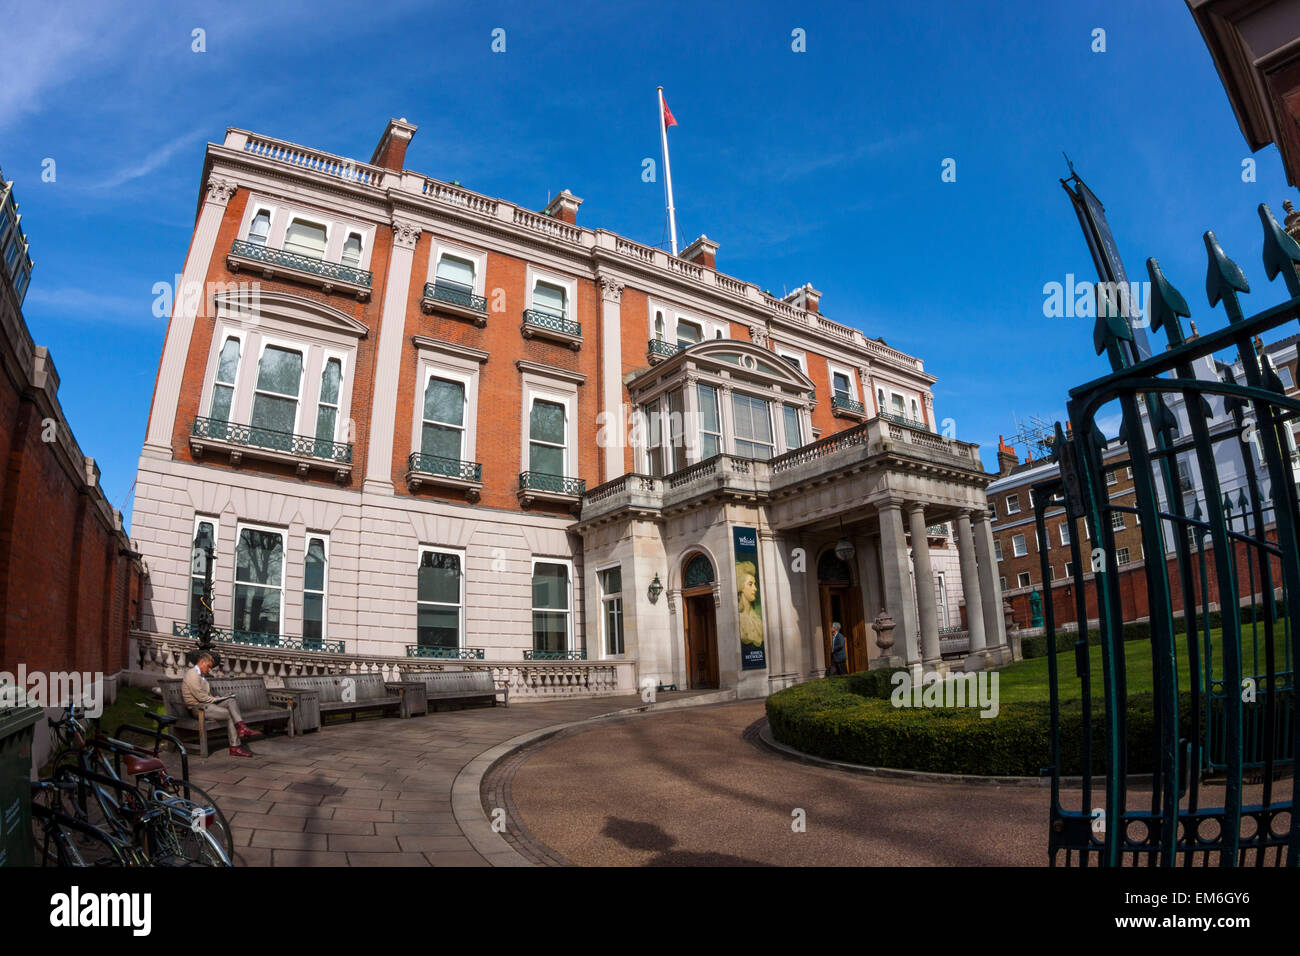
{"points": [[668, 174]]}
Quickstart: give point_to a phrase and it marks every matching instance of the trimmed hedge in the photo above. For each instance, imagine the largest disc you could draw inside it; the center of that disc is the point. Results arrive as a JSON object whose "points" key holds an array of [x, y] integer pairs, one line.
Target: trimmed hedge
{"points": [[851, 719]]}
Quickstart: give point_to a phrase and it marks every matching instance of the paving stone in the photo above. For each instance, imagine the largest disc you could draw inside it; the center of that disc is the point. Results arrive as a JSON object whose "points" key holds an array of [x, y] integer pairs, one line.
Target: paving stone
{"points": [[387, 859], [358, 827], [288, 840], [362, 844]]}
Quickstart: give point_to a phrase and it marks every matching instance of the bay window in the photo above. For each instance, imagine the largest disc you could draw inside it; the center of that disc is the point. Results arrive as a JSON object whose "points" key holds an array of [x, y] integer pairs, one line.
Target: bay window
{"points": [[327, 408], [710, 421], [753, 420], [793, 432], [275, 399], [223, 389]]}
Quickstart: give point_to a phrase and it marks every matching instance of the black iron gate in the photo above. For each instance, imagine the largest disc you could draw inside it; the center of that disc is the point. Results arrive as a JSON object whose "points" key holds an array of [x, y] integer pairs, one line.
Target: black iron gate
{"points": [[1200, 770]]}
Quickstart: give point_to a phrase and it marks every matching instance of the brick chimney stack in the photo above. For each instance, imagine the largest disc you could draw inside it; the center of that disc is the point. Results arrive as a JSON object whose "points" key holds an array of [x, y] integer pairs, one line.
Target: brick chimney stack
{"points": [[703, 251], [1007, 459], [391, 151], [564, 207]]}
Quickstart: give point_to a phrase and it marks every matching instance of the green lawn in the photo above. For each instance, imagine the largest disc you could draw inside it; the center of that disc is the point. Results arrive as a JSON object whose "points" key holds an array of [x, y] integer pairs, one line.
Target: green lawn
{"points": [[1027, 680]]}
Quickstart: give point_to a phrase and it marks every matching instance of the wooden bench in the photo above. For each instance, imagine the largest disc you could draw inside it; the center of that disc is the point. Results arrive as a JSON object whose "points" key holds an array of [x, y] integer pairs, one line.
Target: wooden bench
{"points": [[364, 692], [459, 685], [257, 705]]}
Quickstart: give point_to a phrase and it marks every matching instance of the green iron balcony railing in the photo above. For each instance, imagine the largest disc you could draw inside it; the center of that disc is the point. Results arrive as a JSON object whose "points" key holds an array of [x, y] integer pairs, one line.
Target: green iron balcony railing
{"points": [[844, 403], [258, 639], [445, 467], [295, 260], [903, 420], [455, 295], [445, 653], [663, 349], [254, 437], [552, 323], [554, 484], [555, 655]]}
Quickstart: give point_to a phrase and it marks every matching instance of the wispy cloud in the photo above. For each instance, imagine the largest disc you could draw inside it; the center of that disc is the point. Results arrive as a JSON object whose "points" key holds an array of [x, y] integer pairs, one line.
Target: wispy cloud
{"points": [[70, 304], [150, 163]]}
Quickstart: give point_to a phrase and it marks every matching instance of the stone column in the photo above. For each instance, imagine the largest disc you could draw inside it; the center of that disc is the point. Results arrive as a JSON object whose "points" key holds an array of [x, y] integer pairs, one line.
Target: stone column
{"points": [[611, 364], [995, 632], [976, 658], [899, 601], [388, 364], [187, 302], [926, 611]]}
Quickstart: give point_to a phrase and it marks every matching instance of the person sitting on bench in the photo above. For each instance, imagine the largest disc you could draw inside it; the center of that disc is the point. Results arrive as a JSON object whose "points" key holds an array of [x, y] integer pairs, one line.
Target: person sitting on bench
{"points": [[196, 693]]}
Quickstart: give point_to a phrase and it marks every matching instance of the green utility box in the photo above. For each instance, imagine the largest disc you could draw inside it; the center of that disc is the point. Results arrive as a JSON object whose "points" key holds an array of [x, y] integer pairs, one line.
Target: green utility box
{"points": [[16, 732]]}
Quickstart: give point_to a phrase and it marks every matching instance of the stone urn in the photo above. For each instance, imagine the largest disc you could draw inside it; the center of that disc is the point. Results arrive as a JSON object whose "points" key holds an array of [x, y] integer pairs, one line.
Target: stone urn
{"points": [[1009, 616], [884, 626]]}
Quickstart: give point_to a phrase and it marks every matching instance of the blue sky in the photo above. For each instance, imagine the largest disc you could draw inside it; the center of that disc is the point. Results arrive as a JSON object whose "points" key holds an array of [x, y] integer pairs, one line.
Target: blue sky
{"points": [[822, 166]]}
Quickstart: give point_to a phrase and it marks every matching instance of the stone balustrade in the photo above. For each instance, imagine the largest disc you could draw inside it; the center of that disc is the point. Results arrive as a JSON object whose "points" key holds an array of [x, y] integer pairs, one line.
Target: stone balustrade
{"points": [[154, 656]]}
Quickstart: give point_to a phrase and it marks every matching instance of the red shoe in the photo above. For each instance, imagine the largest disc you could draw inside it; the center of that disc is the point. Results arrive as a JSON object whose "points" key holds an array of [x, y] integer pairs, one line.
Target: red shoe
{"points": [[247, 733], [240, 752]]}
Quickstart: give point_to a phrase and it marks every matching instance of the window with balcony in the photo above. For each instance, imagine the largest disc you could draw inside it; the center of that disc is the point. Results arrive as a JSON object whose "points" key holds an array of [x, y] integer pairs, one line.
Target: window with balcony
{"points": [[840, 386], [550, 299], [306, 238], [880, 401], [259, 581], [455, 276], [443, 430], [611, 604], [275, 398], [659, 326], [327, 408], [1018, 547], [352, 250], [688, 333], [315, 562], [260, 227], [753, 421], [439, 600], [223, 389], [710, 421], [552, 607], [547, 438]]}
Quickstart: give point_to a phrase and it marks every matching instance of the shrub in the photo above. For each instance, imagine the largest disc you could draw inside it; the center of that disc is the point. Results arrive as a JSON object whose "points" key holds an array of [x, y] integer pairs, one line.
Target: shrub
{"points": [[844, 718]]}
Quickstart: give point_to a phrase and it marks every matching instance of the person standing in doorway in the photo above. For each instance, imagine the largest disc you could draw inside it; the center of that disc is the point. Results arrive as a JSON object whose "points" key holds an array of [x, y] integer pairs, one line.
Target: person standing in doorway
{"points": [[839, 651]]}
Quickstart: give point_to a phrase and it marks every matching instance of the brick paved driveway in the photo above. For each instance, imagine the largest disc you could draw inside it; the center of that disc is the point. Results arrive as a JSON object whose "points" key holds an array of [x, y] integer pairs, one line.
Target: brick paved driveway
{"points": [[376, 792]]}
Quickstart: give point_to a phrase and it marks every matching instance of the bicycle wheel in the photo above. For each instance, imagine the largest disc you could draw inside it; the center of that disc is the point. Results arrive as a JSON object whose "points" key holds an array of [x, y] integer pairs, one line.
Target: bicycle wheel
{"points": [[175, 841], [219, 826], [63, 841]]}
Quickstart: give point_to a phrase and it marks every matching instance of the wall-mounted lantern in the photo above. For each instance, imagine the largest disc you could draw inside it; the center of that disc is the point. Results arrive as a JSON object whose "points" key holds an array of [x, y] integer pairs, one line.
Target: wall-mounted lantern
{"points": [[655, 589]]}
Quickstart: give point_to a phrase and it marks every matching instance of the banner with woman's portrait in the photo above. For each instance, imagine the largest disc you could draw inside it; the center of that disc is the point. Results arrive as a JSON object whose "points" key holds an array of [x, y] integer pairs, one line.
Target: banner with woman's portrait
{"points": [[749, 599]]}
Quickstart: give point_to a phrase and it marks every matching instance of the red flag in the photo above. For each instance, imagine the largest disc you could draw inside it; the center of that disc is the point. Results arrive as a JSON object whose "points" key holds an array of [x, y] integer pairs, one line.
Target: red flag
{"points": [[669, 119]]}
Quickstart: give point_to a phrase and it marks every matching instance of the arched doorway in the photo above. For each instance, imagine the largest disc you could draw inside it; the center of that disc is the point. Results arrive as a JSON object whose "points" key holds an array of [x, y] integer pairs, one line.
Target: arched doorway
{"points": [[842, 601], [699, 615]]}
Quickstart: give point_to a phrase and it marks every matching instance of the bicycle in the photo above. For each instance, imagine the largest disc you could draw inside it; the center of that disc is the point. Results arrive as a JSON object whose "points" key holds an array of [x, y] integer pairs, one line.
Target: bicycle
{"points": [[183, 827], [60, 839]]}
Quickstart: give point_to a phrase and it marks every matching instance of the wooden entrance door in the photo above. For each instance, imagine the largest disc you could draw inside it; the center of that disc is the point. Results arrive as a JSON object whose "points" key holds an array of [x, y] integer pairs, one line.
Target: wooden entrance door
{"points": [[701, 640], [843, 603]]}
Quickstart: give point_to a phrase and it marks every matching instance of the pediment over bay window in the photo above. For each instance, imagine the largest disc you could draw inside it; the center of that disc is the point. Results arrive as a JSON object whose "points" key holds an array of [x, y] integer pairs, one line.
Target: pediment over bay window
{"points": [[718, 397], [278, 383], [250, 301]]}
